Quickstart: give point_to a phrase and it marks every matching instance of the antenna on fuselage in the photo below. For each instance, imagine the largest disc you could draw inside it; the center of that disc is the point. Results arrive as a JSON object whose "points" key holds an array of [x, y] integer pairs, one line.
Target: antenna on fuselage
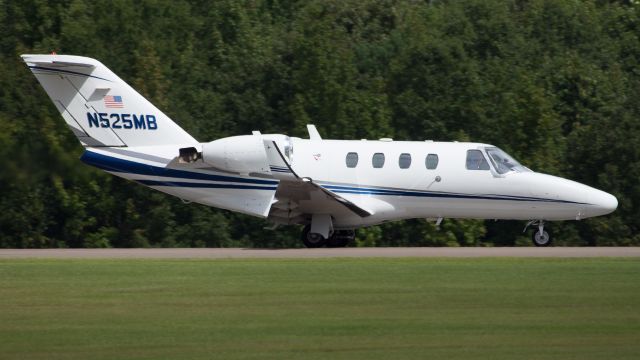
{"points": [[313, 132]]}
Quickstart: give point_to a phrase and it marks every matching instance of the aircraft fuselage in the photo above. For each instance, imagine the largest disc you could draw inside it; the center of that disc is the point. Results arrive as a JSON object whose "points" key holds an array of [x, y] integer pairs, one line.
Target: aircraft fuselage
{"points": [[330, 186], [403, 187]]}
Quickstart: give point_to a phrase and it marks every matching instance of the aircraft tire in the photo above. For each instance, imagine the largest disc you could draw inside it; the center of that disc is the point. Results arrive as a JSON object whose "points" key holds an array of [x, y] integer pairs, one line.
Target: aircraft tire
{"points": [[541, 241], [312, 240], [336, 241], [341, 238]]}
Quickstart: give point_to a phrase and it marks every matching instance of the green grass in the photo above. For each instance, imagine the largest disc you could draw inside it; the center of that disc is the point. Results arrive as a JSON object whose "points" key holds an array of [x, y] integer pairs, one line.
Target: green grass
{"points": [[320, 309]]}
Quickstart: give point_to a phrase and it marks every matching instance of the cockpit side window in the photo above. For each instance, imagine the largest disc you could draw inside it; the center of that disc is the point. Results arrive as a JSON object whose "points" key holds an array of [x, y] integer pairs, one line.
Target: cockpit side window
{"points": [[503, 163], [476, 161]]}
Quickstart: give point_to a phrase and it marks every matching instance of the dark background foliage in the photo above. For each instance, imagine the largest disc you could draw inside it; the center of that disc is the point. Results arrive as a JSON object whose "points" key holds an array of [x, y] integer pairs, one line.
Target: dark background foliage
{"points": [[554, 83]]}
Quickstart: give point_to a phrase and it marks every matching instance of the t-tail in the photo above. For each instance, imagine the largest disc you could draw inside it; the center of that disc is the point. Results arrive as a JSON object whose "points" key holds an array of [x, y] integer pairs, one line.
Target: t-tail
{"points": [[127, 136], [99, 107]]}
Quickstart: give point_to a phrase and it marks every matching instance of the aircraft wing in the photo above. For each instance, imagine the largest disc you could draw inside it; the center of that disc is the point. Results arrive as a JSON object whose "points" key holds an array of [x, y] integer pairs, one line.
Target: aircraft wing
{"points": [[346, 203], [278, 162]]}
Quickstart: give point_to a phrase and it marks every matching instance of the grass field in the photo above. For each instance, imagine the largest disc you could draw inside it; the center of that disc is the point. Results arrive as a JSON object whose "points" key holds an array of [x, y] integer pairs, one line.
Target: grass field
{"points": [[320, 309]]}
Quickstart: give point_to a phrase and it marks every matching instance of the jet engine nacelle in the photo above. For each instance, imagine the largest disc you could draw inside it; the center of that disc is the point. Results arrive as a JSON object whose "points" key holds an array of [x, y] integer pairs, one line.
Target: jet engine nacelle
{"points": [[239, 154]]}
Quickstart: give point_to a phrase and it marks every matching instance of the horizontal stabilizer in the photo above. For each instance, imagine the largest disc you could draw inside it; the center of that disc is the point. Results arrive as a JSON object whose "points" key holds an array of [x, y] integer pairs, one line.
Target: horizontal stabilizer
{"points": [[52, 61]]}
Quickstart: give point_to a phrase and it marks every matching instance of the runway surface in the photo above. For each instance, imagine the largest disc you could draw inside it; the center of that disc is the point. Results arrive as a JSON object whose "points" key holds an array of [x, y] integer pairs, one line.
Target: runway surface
{"points": [[238, 253]]}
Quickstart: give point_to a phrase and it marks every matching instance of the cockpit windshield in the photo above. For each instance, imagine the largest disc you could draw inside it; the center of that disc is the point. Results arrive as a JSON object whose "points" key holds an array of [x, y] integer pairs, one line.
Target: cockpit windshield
{"points": [[503, 162]]}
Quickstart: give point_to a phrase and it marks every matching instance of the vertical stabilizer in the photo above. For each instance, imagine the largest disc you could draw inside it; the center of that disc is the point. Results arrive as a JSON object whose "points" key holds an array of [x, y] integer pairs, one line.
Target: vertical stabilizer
{"points": [[99, 107]]}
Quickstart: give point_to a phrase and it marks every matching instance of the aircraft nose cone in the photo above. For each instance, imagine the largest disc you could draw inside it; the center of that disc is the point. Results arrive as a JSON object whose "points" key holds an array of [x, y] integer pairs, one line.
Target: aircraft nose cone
{"points": [[603, 203]]}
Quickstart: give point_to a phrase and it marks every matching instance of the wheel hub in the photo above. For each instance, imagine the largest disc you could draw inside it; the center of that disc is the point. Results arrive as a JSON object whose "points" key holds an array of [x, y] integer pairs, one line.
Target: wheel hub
{"points": [[314, 238], [541, 239]]}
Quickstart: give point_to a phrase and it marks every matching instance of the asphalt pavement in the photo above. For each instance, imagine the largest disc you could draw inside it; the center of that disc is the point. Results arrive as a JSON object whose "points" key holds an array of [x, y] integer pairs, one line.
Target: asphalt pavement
{"points": [[396, 252]]}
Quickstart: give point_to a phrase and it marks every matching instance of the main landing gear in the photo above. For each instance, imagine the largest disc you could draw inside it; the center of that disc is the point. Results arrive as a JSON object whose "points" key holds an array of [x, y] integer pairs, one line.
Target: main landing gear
{"points": [[338, 238], [540, 236]]}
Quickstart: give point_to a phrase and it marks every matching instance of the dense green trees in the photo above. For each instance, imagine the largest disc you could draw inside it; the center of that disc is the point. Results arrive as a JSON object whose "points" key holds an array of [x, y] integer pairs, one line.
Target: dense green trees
{"points": [[555, 83]]}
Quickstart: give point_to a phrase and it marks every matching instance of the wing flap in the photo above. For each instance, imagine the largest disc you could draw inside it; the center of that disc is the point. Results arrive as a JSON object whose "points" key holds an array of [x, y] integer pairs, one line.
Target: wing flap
{"points": [[358, 210]]}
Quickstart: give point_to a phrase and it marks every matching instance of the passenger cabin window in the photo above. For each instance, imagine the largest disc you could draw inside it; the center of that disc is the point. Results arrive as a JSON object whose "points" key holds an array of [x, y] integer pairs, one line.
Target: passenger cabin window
{"points": [[431, 162], [352, 160], [378, 160], [404, 161], [476, 161]]}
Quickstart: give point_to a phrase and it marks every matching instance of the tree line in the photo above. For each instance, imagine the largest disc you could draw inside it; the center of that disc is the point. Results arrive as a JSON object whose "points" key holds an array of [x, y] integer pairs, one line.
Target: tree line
{"points": [[553, 83]]}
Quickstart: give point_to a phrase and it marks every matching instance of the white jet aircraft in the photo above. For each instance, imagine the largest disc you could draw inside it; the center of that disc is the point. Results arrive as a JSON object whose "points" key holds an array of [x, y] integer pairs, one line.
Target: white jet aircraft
{"points": [[331, 186]]}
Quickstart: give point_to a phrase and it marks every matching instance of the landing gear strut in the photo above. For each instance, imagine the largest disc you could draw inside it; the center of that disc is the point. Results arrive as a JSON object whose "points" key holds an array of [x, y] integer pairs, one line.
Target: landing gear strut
{"points": [[540, 236]]}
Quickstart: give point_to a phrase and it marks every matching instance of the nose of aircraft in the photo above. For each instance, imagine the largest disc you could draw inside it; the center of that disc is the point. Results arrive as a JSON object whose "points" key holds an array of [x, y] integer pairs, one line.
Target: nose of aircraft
{"points": [[602, 203]]}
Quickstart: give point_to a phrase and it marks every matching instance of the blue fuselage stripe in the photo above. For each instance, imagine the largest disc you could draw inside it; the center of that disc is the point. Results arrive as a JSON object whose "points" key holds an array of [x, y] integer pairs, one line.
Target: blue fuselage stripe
{"points": [[110, 163], [374, 191], [280, 171], [204, 185], [339, 188], [113, 164]]}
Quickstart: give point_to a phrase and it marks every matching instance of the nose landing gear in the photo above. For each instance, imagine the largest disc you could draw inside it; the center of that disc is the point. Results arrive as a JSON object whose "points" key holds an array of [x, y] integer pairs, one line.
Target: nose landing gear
{"points": [[540, 237]]}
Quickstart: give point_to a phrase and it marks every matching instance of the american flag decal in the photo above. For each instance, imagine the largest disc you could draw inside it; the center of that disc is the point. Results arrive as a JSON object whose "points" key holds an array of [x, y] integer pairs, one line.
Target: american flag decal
{"points": [[113, 101]]}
